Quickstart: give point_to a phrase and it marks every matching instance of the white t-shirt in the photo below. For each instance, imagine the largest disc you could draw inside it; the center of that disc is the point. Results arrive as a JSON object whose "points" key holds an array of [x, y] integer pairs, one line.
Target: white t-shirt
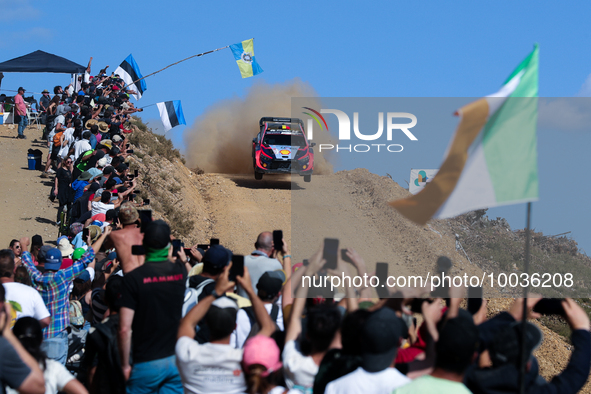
{"points": [[281, 390], [243, 326], [299, 370], [28, 300], [81, 147], [99, 207], [209, 368], [56, 377], [362, 382], [59, 119]]}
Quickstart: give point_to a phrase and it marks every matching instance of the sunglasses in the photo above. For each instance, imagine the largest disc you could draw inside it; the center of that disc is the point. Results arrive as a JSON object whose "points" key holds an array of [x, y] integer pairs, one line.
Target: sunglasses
{"points": [[17, 247]]}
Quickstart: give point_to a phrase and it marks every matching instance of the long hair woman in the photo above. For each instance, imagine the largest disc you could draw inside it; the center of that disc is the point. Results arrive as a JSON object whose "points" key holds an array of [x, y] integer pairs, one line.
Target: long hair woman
{"points": [[57, 377]]}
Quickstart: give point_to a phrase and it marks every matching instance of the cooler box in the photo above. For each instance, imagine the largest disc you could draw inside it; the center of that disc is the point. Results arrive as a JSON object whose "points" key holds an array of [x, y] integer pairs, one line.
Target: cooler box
{"points": [[34, 162]]}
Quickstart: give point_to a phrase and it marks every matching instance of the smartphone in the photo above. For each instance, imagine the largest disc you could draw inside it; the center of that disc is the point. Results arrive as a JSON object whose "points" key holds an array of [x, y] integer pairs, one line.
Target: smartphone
{"points": [[203, 246], [331, 248], [474, 299], [444, 264], [188, 252], [417, 303], [214, 241], [127, 146], [278, 240], [130, 177], [382, 274], [137, 250], [549, 306], [344, 256], [129, 151], [176, 247], [146, 201], [135, 172], [305, 262], [145, 215], [237, 268], [85, 233]]}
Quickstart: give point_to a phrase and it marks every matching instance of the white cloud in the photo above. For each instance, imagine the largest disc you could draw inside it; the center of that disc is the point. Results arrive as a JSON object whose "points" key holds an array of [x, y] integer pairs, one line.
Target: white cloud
{"points": [[17, 10], [565, 114], [585, 90]]}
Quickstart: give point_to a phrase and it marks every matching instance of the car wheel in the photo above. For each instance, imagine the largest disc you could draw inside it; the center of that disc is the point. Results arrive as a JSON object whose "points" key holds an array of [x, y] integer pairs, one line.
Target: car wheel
{"points": [[258, 176], [307, 178]]}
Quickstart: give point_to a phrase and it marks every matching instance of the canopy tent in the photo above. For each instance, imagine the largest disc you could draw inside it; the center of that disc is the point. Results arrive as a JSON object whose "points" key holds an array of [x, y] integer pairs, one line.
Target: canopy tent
{"points": [[41, 62]]}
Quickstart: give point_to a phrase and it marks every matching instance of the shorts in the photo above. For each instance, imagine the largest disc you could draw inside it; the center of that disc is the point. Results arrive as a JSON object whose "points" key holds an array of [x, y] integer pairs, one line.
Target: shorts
{"points": [[54, 151]]}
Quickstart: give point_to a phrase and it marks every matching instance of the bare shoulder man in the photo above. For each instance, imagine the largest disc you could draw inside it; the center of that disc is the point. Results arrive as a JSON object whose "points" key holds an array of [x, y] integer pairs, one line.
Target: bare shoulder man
{"points": [[128, 236]]}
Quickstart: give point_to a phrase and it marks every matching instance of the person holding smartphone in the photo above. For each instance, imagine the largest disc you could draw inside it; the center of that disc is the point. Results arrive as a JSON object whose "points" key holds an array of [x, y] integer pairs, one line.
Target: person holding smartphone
{"points": [[264, 258]]}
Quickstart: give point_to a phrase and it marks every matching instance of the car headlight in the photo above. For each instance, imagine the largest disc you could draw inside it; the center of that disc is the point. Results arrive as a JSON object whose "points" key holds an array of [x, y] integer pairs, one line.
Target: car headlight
{"points": [[305, 160]]}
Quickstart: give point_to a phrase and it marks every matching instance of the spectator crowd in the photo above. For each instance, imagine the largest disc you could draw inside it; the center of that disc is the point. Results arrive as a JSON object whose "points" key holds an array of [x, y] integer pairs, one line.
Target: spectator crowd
{"points": [[116, 306]]}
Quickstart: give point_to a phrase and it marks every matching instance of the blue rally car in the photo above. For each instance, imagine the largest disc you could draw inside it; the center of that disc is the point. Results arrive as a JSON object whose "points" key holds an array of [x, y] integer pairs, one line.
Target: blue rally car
{"points": [[281, 147]]}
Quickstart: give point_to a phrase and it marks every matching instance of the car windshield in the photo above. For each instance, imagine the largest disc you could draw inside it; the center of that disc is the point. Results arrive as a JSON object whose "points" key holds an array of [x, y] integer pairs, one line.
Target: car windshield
{"points": [[284, 140]]}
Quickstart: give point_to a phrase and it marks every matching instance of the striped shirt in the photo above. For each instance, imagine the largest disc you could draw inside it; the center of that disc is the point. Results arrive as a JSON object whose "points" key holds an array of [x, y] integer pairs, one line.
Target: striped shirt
{"points": [[54, 288]]}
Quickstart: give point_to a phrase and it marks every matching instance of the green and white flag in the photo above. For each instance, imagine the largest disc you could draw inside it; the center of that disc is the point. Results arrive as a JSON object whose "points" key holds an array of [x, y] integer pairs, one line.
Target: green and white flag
{"points": [[492, 159]]}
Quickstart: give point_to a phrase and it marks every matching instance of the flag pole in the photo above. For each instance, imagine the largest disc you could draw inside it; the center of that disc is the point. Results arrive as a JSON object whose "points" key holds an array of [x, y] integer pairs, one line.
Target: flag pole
{"points": [[146, 106], [180, 61], [523, 359]]}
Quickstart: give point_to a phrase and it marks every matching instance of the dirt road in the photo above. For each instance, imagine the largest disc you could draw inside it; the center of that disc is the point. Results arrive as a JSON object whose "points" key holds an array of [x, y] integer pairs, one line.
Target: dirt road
{"points": [[26, 209]]}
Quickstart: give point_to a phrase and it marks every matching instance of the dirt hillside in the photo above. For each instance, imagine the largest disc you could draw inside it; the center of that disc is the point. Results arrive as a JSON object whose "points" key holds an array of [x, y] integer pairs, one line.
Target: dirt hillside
{"points": [[349, 205]]}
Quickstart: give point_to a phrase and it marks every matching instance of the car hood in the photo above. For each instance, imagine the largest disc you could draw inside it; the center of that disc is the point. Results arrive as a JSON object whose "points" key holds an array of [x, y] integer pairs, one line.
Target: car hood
{"points": [[284, 152]]}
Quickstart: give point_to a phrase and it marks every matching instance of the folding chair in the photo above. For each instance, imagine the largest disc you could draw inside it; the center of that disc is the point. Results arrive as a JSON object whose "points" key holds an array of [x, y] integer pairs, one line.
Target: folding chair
{"points": [[33, 117]]}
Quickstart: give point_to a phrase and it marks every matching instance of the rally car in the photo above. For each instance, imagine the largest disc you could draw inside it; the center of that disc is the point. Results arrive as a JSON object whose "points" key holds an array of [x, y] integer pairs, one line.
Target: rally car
{"points": [[281, 147]]}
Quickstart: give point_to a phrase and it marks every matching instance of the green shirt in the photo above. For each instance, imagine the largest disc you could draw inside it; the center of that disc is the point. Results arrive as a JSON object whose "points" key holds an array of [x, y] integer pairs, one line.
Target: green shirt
{"points": [[428, 384]]}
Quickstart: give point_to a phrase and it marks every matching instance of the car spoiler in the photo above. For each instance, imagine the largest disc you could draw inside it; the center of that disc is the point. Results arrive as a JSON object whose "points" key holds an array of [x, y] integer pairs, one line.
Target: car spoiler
{"points": [[280, 120]]}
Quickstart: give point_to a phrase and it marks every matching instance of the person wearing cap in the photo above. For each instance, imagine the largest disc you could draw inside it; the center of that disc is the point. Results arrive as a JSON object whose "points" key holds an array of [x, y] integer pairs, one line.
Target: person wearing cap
{"points": [[94, 136], [269, 287], [54, 286], [44, 100], [501, 338], [129, 234], [80, 184], [153, 292], [381, 334], [216, 366], [102, 203], [36, 244], [29, 300], [20, 112], [261, 259]]}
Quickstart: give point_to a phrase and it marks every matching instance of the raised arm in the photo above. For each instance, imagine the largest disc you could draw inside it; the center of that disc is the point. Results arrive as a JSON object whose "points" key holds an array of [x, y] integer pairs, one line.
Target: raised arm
{"points": [[191, 319]]}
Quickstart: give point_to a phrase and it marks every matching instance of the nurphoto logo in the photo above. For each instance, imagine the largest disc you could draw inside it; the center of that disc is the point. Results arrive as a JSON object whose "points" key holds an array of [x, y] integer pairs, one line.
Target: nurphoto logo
{"points": [[392, 120]]}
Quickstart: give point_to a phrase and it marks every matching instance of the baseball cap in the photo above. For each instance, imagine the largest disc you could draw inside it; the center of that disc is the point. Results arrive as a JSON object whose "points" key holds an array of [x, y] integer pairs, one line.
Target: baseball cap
{"points": [[128, 213], [83, 277], [36, 240], [382, 332], [53, 259], [217, 256], [78, 253], [102, 162], [271, 282], [505, 347], [43, 252], [262, 350], [156, 235], [108, 170], [21, 88], [116, 138]]}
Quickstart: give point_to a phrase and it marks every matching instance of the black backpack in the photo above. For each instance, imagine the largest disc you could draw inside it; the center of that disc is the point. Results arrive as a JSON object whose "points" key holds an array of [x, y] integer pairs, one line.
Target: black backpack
{"points": [[278, 335]]}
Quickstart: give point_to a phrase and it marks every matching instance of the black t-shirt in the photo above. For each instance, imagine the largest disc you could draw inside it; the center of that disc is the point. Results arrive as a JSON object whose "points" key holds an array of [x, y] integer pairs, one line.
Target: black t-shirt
{"points": [[155, 291]]}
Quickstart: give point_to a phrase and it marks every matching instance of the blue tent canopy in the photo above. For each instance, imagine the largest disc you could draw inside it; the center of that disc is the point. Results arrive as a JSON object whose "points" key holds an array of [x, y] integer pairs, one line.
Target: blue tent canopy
{"points": [[41, 62]]}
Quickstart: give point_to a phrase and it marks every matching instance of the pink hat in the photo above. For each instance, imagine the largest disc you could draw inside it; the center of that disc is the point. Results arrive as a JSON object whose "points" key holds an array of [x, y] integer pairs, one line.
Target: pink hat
{"points": [[263, 351]]}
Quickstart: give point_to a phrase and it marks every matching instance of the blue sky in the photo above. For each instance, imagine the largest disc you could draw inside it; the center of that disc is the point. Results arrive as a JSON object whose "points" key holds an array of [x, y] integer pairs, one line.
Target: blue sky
{"points": [[342, 49]]}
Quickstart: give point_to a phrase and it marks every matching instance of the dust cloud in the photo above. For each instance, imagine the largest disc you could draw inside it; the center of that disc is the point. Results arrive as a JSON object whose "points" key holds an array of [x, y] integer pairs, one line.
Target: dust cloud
{"points": [[220, 141]]}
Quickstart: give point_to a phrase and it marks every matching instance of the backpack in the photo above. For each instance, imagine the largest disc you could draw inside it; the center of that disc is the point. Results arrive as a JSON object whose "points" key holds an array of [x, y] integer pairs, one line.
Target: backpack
{"points": [[57, 139], [278, 336], [76, 316], [192, 295]]}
